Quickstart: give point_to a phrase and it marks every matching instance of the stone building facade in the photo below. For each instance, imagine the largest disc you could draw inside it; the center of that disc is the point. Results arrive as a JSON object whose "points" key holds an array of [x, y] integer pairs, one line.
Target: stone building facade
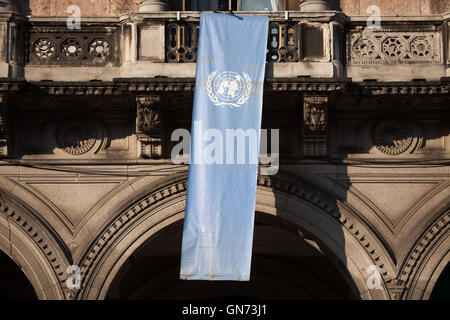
{"points": [[359, 208]]}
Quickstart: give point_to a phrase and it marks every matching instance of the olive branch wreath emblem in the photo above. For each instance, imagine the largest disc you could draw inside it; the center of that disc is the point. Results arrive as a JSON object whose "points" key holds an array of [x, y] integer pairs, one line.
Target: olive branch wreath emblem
{"points": [[215, 99]]}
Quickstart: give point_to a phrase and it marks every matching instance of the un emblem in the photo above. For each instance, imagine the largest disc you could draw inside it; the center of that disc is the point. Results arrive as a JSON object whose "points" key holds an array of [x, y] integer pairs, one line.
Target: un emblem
{"points": [[228, 88]]}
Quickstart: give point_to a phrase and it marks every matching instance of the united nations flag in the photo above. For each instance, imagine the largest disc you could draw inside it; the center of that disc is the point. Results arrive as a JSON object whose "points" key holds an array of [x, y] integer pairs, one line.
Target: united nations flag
{"points": [[220, 205], [229, 88]]}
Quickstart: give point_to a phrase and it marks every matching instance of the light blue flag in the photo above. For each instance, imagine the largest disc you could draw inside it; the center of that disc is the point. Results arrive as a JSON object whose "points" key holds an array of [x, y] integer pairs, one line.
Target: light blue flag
{"points": [[226, 122]]}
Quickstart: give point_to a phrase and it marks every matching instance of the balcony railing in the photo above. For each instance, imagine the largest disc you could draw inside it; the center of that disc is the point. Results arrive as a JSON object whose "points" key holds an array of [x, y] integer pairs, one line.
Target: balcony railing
{"points": [[55, 44], [325, 45], [181, 42], [283, 42]]}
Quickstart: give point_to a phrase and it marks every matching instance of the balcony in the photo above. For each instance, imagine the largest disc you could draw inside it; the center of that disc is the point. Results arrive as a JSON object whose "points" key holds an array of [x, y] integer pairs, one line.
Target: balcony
{"points": [[300, 44]]}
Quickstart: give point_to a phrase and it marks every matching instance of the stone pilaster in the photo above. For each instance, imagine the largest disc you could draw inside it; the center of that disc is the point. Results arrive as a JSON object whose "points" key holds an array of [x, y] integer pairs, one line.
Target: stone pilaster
{"points": [[153, 5], [447, 43], [4, 132], [314, 5], [11, 39]]}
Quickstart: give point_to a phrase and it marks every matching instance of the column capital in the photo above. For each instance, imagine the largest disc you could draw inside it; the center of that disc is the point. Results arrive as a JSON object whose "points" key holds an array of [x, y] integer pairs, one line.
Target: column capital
{"points": [[153, 5]]}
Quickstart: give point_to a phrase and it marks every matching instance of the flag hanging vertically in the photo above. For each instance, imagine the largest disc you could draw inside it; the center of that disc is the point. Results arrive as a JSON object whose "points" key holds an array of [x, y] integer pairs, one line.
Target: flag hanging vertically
{"points": [[226, 122]]}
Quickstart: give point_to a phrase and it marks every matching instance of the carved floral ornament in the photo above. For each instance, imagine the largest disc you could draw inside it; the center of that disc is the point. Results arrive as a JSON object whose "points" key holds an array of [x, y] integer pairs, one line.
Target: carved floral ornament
{"points": [[149, 127], [315, 126], [99, 49], [149, 115], [61, 49], [72, 48], [378, 46], [315, 113], [44, 48]]}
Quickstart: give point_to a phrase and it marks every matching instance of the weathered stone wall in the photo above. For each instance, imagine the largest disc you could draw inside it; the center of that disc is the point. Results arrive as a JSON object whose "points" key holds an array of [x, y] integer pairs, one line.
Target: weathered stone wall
{"points": [[88, 7], [400, 7], [115, 7]]}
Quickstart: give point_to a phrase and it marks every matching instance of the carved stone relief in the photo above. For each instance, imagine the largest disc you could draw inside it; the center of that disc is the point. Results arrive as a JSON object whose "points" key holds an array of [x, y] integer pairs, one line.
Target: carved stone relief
{"points": [[315, 110], [392, 135], [149, 115], [94, 46], [149, 126], [315, 116], [391, 46], [75, 135]]}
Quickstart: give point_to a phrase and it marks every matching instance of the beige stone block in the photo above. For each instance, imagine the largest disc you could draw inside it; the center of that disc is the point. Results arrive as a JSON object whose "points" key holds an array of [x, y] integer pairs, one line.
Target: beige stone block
{"points": [[55, 73], [151, 46], [396, 72], [151, 69], [88, 7], [312, 69], [66, 197]]}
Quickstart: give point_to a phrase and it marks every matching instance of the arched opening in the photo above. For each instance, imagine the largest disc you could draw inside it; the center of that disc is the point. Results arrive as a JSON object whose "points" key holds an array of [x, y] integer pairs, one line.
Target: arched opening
{"points": [[441, 289], [284, 266], [14, 283]]}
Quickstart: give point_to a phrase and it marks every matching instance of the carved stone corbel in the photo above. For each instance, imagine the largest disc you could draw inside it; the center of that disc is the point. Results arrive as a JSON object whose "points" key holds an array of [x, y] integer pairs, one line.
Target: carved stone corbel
{"points": [[149, 127], [315, 126]]}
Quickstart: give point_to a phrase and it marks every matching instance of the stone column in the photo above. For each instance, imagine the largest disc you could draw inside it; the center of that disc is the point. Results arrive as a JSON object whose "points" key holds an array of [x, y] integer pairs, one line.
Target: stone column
{"points": [[8, 5], [314, 5], [12, 47], [153, 5]]}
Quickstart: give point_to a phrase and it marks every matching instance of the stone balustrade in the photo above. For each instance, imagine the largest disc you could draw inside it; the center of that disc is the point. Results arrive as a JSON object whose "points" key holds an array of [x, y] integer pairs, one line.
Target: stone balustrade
{"points": [[154, 42]]}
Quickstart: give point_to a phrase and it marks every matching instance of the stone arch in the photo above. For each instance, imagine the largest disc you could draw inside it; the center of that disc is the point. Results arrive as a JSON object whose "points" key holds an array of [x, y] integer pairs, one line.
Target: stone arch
{"points": [[133, 224], [34, 247], [427, 258]]}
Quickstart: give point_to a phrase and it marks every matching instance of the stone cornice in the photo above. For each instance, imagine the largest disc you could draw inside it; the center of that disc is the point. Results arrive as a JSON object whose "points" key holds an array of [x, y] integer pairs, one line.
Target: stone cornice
{"points": [[395, 19], [10, 15], [409, 88], [159, 85], [9, 84]]}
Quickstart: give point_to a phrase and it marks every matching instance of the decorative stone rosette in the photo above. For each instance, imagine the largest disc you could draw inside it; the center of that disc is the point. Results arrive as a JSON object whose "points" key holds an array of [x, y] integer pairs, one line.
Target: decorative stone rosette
{"points": [[76, 135], [393, 136], [390, 46]]}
